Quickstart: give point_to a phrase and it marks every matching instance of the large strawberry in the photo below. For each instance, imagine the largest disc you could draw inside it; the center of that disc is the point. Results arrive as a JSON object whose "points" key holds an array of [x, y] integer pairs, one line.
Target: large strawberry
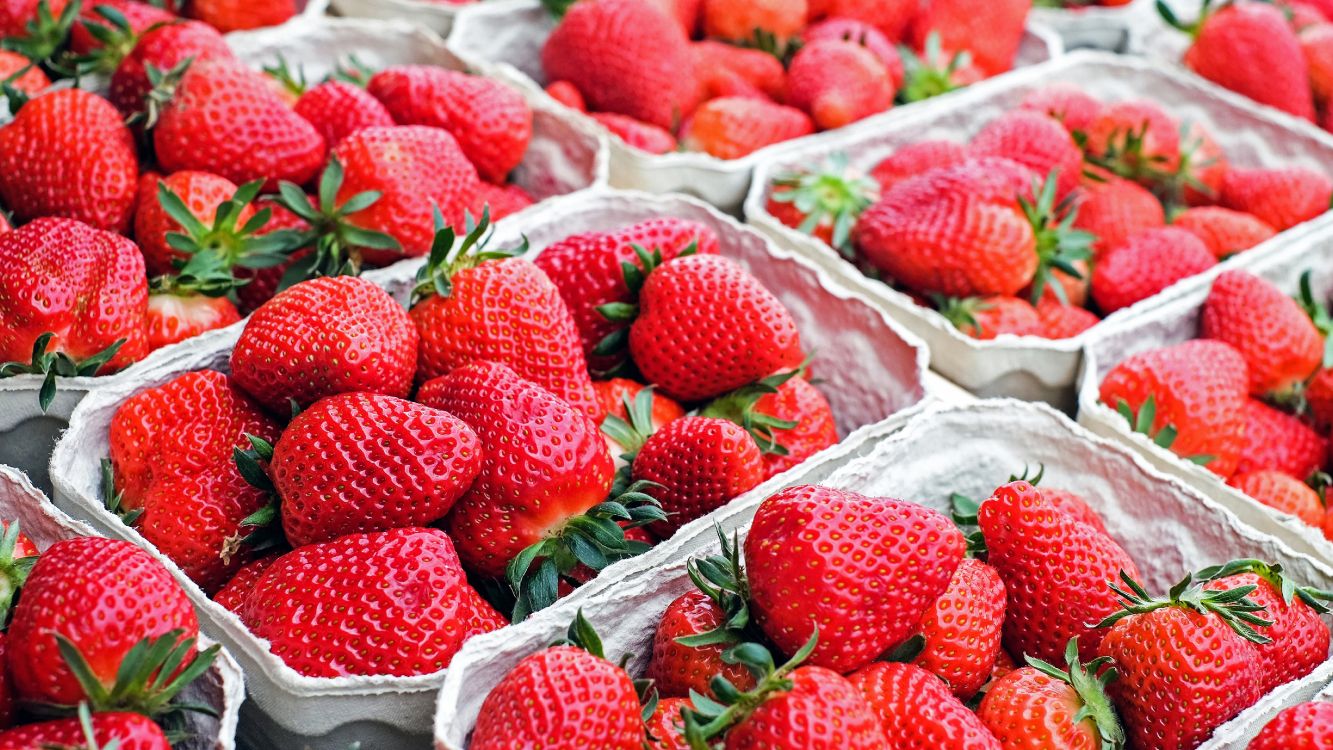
{"points": [[472, 303], [1113, 209], [1277, 441], [1304, 726], [490, 121], [362, 462], [884, 580], [325, 336], [789, 418], [1189, 397], [1280, 197], [389, 603], [164, 48], [1036, 141], [120, 730], [1146, 264], [917, 710], [1279, 342], [67, 153]]}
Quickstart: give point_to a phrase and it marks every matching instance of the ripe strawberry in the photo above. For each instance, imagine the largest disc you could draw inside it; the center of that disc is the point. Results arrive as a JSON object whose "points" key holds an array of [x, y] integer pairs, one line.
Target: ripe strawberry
{"points": [[120, 730], [796, 402], [641, 135], [165, 48], [1203, 168], [500, 200], [1228, 39], [1035, 141], [916, 158], [1278, 441], [666, 726], [988, 317], [1189, 397], [237, 15], [677, 669], [741, 21], [700, 463], [1135, 139], [1042, 705], [22, 74], [838, 82], [226, 119], [173, 317], [846, 28], [1304, 726], [567, 696], [1282, 492], [991, 33], [1282, 198], [961, 629], [917, 710], [471, 303], [614, 394], [567, 94], [887, 581], [325, 336], [338, 109], [139, 18], [1063, 321], [1224, 231], [233, 594], [824, 203], [318, 606], [1279, 342], [202, 193], [1187, 663], [677, 344], [719, 64], [1147, 263], [16, 15], [67, 153], [1069, 104], [732, 127], [1317, 45], [598, 48], [1114, 209], [262, 283]]}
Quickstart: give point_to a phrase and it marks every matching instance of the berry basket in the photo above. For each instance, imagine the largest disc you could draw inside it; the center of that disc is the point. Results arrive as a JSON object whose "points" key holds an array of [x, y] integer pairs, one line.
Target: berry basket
{"points": [[291, 710], [1035, 368], [222, 688], [515, 34], [1163, 524]]}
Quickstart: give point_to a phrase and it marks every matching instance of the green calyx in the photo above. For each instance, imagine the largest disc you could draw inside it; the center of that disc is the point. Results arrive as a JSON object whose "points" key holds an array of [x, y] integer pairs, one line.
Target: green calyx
{"points": [[1319, 315], [266, 530], [354, 71], [293, 80], [448, 256], [962, 311], [13, 571], [45, 34], [616, 343], [722, 579], [1233, 606], [53, 364], [707, 719], [1143, 421], [1089, 682], [558, 8], [631, 434], [1125, 156], [832, 194], [783, 49], [114, 500], [1170, 186], [1272, 573], [739, 407], [923, 78], [964, 510], [162, 89], [1192, 28], [1059, 245], [594, 539], [115, 38]]}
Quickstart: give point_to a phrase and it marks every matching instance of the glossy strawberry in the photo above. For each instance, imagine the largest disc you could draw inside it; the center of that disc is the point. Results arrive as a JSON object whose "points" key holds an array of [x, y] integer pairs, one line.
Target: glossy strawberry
{"points": [[732, 127], [701, 463], [1280, 344], [122, 730], [614, 394], [1282, 198], [961, 629], [20, 72], [1224, 231], [1043, 705], [1060, 321], [338, 109], [991, 33], [1275, 440], [1146, 264], [677, 669], [796, 401], [821, 710], [233, 594], [986, 318], [172, 318], [824, 202], [238, 15], [164, 48], [1281, 492], [201, 192], [838, 82], [917, 710], [666, 726], [1304, 726]]}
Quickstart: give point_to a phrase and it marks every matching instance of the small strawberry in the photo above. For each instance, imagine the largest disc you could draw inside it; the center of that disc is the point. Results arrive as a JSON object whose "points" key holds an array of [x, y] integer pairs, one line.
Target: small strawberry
{"points": [[614, 398], [21, 73], [165, 48], [238, 15], [1114, 209], [1034, 140], [1060, 321], [1224, 231], [846, 28], [988, 317], [1304, 726], [916, 709], [637, 134], [1279, 342], [119, 730], [500, 200], [666, 727], [1069, 104], [1146, 264], [787, 416], [1282, 198], [1275, 440], [914, 159], [838, 82], [733, 127], [824, 203], [173, 317], [338, 109], [960, 631], [1281, 492], [990, 33], [389, 603]]}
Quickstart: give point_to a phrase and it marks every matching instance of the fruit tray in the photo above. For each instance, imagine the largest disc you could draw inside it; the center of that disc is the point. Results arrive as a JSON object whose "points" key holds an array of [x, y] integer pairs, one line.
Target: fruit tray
{"points": [[222, 688], [436, 15], [515, 35], [1028, 367], [1175, 320], [291, 710], [1163, 524], [1109, 28]]}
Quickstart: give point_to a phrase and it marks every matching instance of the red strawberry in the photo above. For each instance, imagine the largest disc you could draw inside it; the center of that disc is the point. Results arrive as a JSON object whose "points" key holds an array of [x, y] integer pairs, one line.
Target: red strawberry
{"points": [[641, 135], [916, 709], [678, 669], [234, 593], [226, 119], [468, 307], [991, 33], [824, 203], [741, 20], [1203, 167], [121, 730], [174, 317], [490, 121], [31, 80], [1027, 541], [599, 46], [811, 708], [325, 336], [1304, 726], [1280, 344], [1135, 139], [916, 158], [796, 401], [567, 94], [201, 192], [1073, 506], [1035, 141], [613, 394], [886, 580], [1114, 209], [1060, 321], [1189, 397], [139, 16], [1147, 263], [838, 82], [1282, 198], [237, 15], [16, 15], [1224, 231], [666, 726], [961, 629], [500, 200], [1278, 441], [757, 69], [262, 283], [67, 153], [163, 48], [1281, 492], [338, 109], [1067, 103], [390, 603], [732, 127], [701, 463], [1317, 45], [845, 28], [1045, 706], [678, 345], [988, 317]]}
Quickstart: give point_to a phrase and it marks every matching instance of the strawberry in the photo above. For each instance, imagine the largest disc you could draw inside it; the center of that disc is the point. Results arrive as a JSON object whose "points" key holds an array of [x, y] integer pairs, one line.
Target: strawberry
{"points": [[1282, 198], [97, 32], [887, 581], [930, 71], [1224, 231], [1317, 45], [137, 595], [388, 603], [916, 158], [1034, 140], [325, 336], [472, 302], [565, 697], [1304, 726], [1147, 263], [988, 317], [641, 135], [338, 109], [598, 48], [173, 317], [73, 301], [120, 730], [666, 726], [786, 415], [490, 121], [718, 63], [1069, 104], [1279, 342], [838, 82], [202, 193], [500, 200], [1275, 440], [238, 15], [684, 11], [700, 463], [233, 594], [1189, 397], [165, 48], [1059, 321], [824, 203], [567, 94], [1114, 209], [1281, 492], [613, 396], [675, 340], [67, 153], [226, 119], [960, 631], [262, 283], [990, 33], [741, 21], [1042, 705], [22, 74], [1187, 662], [1203, 168], [1135, 139], [917, 710], [1228, 40], [732, 126], [845, 28]]}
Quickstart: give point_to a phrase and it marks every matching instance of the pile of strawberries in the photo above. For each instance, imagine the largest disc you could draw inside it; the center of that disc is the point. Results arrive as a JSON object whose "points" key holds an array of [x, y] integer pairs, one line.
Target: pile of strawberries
{"points": [[179, 201], [348, 525], [19, 17], [1251, 398], [1303, 725], [832, 628], [109, 652], [1056, 213], [729, 77]]}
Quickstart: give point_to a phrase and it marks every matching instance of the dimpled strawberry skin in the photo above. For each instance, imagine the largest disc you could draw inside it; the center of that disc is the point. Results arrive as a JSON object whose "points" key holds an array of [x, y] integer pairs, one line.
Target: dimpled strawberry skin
{"points": [[822, 711], [1306, 726], [677, 669], [701, 463]]}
